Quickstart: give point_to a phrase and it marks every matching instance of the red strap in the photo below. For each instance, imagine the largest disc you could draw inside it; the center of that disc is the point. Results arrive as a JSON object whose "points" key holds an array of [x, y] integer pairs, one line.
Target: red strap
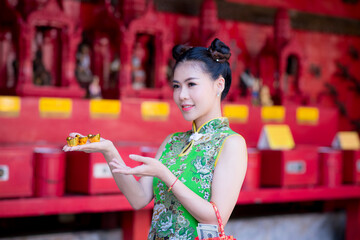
{"points": [[221, 226]]}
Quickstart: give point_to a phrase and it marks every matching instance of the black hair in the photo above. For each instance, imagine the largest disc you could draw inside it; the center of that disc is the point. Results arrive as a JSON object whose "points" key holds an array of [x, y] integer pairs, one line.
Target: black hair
{"points": [[214, 58]]}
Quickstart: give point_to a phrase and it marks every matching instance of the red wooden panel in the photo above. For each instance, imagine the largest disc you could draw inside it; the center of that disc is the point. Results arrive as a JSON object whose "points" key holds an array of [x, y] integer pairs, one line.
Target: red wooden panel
{"points": [[30, 127], [276, 195], [136, 224], [23, 207]]}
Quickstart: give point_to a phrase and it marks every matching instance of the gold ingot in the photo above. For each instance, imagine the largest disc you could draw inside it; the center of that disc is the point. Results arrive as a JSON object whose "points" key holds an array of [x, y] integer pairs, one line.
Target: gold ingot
{"points": [[72, 142], [94, 138], [83, 140]]}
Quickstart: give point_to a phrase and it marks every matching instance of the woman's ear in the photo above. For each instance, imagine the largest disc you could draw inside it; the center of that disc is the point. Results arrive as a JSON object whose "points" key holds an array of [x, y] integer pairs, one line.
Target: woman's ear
{"points": [[220, 84]]}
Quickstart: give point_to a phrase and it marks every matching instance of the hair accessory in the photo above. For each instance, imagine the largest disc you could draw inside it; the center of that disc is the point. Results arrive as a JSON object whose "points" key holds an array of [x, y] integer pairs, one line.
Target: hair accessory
{"points": [[218, 56], [180, 50]]}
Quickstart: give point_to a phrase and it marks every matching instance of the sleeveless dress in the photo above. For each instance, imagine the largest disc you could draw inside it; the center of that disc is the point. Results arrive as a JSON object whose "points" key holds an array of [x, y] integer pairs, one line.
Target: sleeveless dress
{"points": [[191, 156]]}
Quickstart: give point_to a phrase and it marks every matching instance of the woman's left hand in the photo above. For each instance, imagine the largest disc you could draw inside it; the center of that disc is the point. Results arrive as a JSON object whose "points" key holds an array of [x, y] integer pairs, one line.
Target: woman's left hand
{"points": [[149, 167]]}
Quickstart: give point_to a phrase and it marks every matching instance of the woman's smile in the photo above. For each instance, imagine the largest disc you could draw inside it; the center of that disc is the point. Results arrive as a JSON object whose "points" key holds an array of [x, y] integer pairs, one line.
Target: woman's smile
{"points": [[187, 107]]}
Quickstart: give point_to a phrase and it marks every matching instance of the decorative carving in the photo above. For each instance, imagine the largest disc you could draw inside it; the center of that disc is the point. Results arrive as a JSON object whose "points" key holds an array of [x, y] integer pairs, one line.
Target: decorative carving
{"points": [[315, 70], [354, 53]]}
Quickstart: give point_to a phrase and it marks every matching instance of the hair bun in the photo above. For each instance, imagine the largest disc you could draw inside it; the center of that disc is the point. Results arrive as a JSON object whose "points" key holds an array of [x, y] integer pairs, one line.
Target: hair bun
{"points": [[179, 50], [219, 51]]}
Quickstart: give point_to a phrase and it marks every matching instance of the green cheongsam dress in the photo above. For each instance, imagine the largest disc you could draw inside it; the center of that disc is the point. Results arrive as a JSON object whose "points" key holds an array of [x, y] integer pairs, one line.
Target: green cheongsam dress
{"points": [[192, 157]]}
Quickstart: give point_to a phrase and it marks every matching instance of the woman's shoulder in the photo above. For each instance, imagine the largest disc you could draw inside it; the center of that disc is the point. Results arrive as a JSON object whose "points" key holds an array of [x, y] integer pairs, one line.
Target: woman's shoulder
{"points": [[234, 142], [233, 148]]}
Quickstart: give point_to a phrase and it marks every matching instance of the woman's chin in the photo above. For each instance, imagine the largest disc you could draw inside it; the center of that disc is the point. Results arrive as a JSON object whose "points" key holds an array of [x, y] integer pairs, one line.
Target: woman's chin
{"points": [[188, 117]]}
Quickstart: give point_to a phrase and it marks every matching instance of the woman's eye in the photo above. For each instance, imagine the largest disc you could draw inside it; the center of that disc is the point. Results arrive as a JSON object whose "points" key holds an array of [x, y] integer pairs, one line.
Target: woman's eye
{"points": [[175, 86], [191, 84]]}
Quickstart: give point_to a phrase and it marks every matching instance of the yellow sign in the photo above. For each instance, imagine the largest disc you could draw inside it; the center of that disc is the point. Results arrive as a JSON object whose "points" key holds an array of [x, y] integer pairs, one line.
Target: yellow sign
{"points": [[346, 141], [276, 137], [10, 106], [307, 115], [236, 113], [55, 107], [158, 111], [273, 113], [104, 108]]}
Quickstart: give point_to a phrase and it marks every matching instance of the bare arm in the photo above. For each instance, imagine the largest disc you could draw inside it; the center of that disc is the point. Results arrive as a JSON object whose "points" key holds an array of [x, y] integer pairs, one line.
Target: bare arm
{"points": [[138, 193], [228, 178]]}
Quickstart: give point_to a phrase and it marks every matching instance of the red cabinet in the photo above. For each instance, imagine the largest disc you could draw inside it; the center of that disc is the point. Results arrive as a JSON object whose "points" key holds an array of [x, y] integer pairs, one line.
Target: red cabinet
{"points": [[330, 167], [16, 172], [290, 168], [89, 172], [351, 166], [49, 172], [252, 177]]}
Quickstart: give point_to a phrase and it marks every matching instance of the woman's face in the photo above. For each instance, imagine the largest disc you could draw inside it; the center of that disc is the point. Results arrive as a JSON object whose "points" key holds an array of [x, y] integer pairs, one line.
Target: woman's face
{"points": [[195, 93]]}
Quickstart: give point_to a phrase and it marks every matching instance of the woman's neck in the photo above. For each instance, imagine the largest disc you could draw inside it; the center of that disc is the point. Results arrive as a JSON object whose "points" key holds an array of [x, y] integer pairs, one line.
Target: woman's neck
{"points": [[201, 120]]}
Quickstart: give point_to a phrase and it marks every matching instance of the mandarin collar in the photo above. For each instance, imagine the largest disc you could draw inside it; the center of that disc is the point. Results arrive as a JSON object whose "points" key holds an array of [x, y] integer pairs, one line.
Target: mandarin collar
{"points": [[211, 125]]}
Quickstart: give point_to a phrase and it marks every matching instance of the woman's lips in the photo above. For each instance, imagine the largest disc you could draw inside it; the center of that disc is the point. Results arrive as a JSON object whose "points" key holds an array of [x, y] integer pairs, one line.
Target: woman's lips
{"points": [[187, 108]]}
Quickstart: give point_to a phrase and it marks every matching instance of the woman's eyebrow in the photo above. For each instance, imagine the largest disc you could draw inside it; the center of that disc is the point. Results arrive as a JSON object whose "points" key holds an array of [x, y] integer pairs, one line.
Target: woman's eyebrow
{"points": [[188, 79]]}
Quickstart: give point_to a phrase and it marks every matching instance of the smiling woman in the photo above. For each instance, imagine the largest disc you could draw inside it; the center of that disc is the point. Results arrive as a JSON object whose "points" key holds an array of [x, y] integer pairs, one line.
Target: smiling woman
{"points": [[192, 170]]}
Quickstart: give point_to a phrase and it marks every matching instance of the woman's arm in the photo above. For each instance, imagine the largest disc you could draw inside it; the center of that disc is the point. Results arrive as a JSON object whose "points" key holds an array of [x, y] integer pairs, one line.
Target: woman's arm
{"points": [[228, 178], [138, 193], [229, 175], [227, 181]]}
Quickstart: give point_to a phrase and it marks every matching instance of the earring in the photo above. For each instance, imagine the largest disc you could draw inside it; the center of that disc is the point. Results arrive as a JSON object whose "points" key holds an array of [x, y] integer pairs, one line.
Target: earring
{"points": [[218, 94]]}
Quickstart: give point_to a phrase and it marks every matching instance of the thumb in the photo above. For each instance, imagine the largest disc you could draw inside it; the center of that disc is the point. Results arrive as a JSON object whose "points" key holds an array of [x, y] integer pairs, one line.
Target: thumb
{"points": [[138, 158]]}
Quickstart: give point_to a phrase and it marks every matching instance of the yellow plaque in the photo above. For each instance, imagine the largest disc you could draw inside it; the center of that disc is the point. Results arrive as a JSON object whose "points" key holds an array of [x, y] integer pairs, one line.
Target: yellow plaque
{"points": [[55, 107], [10, 106], [273, 113], [104, 108], [276, 137], [155, 111], [347, 140], [307, 115], [236, 112]]}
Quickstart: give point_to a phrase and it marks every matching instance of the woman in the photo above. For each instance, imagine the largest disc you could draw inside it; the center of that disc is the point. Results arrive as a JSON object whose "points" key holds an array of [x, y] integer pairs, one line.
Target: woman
{"points": [[207, 163]]}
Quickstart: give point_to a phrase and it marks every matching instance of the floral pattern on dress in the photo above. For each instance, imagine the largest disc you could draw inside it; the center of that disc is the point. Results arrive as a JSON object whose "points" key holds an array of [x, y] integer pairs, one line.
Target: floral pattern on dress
{"points": [[195, 169]]}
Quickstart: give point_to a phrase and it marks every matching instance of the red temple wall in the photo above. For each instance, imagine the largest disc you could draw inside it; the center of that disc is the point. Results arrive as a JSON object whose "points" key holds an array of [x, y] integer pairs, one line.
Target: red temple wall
{"points": [[328, 7], [246, 39]]}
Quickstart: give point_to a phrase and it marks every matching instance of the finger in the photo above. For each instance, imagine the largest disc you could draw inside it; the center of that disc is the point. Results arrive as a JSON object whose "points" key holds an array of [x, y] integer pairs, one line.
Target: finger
{"points": [[126, 171], [73, 134], [139, 158], [67, 148]]}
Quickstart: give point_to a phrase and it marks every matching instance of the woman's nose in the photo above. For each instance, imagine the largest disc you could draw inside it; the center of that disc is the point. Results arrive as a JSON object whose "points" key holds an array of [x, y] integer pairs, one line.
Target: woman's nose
{"points": [[184, 94]]}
